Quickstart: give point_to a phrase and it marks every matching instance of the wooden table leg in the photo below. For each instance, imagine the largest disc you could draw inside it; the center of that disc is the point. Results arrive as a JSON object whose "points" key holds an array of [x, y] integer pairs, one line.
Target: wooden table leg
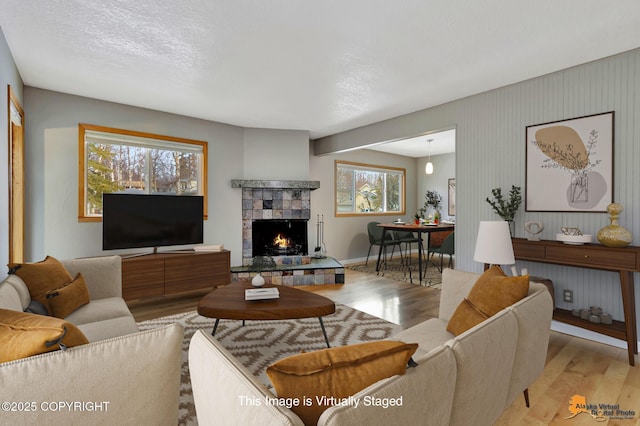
{"points": [[629, 307]]}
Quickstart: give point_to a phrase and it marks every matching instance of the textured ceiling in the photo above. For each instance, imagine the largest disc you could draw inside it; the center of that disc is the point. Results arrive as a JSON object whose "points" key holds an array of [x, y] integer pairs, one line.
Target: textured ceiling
{"points": [[319, 66]]}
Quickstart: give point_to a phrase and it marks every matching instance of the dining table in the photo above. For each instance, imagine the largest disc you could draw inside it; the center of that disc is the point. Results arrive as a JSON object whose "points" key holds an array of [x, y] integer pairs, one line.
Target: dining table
{"points": [[419, 228]]}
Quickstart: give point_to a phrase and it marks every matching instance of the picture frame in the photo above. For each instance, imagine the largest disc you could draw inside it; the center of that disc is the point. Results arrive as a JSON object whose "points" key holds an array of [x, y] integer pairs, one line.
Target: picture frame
{"points": [[569, 164], [451, 185]]}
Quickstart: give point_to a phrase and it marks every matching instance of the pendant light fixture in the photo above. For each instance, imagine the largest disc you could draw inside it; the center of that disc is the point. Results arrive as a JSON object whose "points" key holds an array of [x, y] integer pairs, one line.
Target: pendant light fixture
{"points": [[428, 169]]}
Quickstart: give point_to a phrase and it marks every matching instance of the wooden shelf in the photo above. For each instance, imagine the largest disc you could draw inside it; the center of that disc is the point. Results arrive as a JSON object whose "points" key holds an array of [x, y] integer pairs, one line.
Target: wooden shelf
{"points": [[617, 329]]}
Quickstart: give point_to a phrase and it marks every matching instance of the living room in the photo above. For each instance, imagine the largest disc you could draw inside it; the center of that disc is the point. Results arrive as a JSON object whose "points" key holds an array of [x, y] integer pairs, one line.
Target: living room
{"points": [[490, 152]]}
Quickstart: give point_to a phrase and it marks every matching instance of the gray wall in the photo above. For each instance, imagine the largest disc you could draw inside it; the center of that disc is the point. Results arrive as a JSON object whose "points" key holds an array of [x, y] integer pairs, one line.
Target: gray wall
{"points": [[8, 76], [490, 152], [276, 154], [52, 172]]}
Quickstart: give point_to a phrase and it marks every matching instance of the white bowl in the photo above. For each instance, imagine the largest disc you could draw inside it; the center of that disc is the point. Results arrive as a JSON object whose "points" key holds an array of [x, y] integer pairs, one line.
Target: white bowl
{"points": [[574, 239]]}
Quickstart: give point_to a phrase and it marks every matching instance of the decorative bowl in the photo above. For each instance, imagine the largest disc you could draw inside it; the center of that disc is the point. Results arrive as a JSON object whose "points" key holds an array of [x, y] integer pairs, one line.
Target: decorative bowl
{"points": [[574, 239]]}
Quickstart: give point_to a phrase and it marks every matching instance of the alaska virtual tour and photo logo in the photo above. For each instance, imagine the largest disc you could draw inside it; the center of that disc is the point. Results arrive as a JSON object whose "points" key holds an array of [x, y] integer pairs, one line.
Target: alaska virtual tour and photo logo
{"points": [[600, 412]]}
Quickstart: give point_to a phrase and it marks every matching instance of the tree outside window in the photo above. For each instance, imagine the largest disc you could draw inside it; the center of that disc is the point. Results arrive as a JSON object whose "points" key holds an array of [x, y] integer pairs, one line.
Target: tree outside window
{"points": [[119, 160], [363, 189]]}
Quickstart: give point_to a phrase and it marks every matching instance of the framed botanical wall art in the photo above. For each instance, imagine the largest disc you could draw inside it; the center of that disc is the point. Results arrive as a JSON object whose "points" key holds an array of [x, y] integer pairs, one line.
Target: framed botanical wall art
{"points": [[569, 165]]}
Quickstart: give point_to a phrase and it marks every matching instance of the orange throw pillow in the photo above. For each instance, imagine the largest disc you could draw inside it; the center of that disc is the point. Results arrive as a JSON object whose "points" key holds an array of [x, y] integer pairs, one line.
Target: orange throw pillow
{"points": [[41, 277], [68, 298], [336, 372], [492, 292], [23, 334]]}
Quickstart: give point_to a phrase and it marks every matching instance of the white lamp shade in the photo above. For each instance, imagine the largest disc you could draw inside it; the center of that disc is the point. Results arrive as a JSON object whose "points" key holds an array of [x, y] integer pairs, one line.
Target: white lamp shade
{"points": [[428, 169], [493, 245]]}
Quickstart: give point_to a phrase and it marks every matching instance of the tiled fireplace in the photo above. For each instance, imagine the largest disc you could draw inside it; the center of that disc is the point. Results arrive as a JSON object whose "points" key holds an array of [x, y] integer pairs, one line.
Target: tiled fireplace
{"points": [[275, 218]]}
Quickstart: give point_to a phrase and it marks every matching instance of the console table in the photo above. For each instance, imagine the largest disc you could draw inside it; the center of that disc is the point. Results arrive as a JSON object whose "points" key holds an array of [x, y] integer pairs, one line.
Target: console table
{"points": [[625, 261]]}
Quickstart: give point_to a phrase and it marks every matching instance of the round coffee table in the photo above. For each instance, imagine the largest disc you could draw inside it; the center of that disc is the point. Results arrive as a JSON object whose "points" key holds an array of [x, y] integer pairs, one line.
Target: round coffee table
{"points": [[227, 302]]}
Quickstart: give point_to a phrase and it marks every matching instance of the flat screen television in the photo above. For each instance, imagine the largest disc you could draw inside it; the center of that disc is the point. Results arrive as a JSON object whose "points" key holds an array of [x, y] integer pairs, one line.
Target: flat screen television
{"points": [[141, 220]]}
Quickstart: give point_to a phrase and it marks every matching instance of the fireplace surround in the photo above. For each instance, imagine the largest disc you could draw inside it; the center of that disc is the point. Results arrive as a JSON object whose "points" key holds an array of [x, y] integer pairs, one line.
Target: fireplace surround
{"points": [[264, 200], [285, 203]]}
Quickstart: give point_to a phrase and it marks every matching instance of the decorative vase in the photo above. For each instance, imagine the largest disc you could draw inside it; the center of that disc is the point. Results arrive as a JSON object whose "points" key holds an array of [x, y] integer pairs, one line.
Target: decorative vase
{"points": [[614, 235], [257, 281]]}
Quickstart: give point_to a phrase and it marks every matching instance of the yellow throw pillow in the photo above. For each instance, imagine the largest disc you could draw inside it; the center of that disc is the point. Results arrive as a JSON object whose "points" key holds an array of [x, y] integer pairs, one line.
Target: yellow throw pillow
{"points": [[68, 298], [23, 334], [464, 317], [492, 292], [41, 277], [336, 372]]}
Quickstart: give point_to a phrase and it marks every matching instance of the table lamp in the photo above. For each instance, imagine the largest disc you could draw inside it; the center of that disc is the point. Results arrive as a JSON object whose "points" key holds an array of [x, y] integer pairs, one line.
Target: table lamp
{"points": [[493, 245]]}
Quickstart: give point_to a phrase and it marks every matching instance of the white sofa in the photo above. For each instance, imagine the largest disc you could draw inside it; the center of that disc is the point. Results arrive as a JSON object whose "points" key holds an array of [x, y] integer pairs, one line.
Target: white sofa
{"points": [[106, 315], [463, 380], [122, 377], [126, 380]]}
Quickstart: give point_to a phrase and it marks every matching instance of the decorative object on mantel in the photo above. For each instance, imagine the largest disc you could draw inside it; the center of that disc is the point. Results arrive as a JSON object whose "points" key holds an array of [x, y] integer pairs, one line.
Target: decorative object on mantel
{"points": [[506, 209], [614, 235], [261, 263], [533, 229], [573, 236]]}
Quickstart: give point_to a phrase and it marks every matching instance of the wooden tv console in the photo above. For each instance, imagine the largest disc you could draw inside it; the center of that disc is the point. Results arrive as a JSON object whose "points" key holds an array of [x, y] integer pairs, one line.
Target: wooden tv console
{"points": [[164, 274]]}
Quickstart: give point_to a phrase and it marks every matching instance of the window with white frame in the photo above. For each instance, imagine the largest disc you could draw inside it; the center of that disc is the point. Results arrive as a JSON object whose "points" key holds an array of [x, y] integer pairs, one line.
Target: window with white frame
{"points": [[115, 160], [365, 189]]}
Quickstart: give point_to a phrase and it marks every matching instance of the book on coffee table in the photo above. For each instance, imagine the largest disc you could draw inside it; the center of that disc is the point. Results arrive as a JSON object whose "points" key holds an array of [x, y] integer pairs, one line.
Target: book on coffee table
{"points": [[261, 293]]}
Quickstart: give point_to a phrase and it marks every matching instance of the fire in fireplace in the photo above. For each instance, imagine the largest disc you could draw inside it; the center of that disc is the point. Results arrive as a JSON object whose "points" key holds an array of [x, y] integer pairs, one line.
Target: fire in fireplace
{"points": [[279, 237]]}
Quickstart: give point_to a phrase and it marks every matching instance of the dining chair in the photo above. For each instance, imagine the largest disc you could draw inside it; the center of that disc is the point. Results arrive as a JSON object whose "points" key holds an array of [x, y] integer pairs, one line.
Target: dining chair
{"points": [[447, 247], [407, 238], [375, 238]]}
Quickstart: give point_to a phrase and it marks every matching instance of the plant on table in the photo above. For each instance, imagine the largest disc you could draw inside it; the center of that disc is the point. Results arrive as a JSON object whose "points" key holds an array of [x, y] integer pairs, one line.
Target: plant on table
{"points": [[433, 199], [259, 264], [506, 209]]}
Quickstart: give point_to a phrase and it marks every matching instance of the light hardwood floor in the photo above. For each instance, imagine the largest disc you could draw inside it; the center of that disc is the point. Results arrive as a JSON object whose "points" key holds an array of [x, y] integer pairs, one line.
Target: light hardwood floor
{"points": [[574, 366]]}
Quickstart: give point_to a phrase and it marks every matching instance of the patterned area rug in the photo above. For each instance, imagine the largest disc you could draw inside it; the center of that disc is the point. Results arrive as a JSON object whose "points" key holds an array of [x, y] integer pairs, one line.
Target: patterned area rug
{"points": [[397, 269], [260, 343]]}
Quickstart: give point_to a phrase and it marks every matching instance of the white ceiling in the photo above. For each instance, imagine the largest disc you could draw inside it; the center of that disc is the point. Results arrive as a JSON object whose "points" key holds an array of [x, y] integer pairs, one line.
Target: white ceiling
{"points": [[322, 66], [441, 143]]}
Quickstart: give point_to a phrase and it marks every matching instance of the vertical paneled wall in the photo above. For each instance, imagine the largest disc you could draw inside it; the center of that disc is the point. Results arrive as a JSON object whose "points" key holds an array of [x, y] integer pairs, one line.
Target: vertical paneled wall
{"points": [[490, 152]]}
